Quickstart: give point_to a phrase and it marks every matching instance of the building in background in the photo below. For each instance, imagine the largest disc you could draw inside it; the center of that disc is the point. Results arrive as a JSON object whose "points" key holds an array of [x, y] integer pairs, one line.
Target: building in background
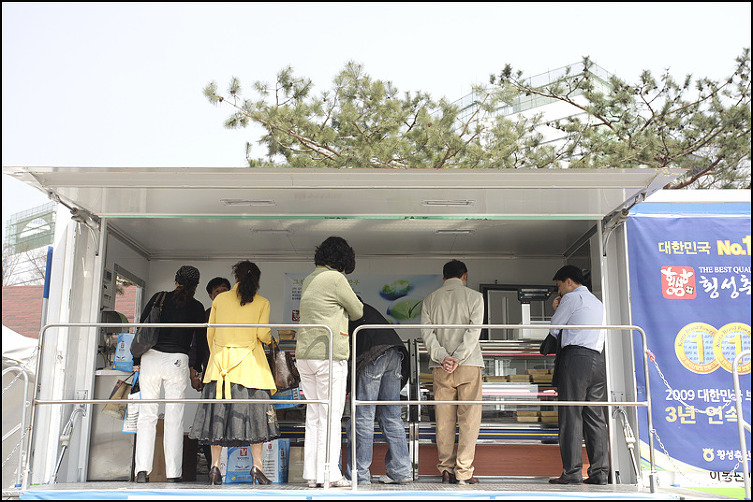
{"points": [[27, 235], [551, 109]]}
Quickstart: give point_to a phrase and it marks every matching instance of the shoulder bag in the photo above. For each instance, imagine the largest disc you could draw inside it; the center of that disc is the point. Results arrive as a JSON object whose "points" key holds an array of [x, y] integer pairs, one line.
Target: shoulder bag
{"points": [[283, 368], [146, 336]]}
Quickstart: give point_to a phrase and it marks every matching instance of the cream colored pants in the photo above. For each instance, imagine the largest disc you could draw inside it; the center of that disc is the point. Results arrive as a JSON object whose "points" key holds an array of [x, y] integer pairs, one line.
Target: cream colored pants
{"points": [[315, 385], [160, 369], [463, 384]]}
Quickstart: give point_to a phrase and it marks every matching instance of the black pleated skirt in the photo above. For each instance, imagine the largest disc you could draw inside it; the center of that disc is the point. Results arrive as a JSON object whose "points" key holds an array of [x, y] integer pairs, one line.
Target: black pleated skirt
{"points": [[226, 423]]}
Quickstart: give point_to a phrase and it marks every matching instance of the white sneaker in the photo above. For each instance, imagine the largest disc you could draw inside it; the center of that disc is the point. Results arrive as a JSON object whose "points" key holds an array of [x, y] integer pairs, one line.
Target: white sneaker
{"points": [[314, 484], [341, 483], [389, 481]]}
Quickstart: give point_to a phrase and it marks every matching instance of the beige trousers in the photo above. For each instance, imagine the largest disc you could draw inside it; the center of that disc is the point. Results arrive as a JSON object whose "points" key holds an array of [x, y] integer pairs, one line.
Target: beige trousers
{"points": [[463, 384]]}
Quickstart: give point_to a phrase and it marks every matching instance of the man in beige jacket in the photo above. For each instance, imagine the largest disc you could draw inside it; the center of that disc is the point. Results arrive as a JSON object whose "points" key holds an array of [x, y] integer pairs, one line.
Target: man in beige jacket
{"points": [[456, 362]]}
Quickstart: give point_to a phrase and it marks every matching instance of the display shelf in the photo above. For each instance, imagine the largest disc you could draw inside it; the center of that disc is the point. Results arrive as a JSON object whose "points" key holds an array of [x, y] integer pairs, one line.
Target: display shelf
{"points": [[513, 370]]}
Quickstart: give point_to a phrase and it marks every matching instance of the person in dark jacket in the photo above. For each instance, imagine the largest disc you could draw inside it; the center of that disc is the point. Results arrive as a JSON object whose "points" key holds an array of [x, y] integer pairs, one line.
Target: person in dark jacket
{"points": [[382, 369], [198, 357], [166, 365]]}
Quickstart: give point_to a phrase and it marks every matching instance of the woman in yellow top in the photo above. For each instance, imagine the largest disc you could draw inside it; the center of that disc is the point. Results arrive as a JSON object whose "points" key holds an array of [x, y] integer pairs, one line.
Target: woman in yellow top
{"points": [[237, 369]]}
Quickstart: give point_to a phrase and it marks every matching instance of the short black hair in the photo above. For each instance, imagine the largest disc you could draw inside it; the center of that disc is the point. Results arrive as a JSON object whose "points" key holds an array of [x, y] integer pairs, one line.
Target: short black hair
{"points": [[337, 253], [454, 269], [570, 272], [217, 281]]}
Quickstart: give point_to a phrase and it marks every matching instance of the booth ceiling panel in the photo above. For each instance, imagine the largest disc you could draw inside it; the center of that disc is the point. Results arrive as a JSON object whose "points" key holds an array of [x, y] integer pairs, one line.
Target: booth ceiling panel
{"points": [[198, 211]]}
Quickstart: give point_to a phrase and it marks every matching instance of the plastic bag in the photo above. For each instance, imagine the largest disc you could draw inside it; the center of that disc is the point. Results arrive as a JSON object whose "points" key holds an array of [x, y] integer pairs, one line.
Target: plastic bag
{"points": [[131, 419], [123, 358], [121, 391]]}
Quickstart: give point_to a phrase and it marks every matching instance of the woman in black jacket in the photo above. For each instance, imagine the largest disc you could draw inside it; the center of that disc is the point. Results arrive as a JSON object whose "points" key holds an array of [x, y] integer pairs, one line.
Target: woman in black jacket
{"points": [[166, 364]]}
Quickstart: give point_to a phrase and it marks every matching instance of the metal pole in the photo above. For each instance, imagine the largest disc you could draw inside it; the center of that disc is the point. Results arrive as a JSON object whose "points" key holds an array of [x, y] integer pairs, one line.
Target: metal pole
{"points": [[328, 435], [650, 421], [355, 402], [40, 344], [741, 421], [353, 458], [22, 453]]}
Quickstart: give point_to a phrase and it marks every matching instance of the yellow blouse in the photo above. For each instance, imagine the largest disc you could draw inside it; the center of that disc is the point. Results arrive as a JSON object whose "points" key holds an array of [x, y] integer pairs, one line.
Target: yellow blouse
{"points": [[236, 354]]}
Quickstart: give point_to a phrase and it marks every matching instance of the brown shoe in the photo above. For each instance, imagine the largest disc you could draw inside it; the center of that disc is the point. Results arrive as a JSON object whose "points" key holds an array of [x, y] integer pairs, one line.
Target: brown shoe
{"points": [[448, 477], [469, 481]]}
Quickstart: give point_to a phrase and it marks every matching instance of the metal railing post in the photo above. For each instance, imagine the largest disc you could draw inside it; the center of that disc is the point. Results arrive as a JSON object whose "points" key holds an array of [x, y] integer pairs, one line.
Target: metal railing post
{"points": [[649, 412], [22, 454], [36, 401], [741, 423], [355, 402]]}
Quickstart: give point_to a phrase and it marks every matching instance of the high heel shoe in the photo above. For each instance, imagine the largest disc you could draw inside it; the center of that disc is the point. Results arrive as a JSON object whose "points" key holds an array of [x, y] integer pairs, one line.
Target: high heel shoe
{"points": [[215, 477], [259, 476]]}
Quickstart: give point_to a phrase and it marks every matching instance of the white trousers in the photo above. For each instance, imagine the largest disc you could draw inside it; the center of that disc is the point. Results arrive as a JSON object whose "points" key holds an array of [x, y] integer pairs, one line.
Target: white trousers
{"points": [[314, 384], [170, 370]]}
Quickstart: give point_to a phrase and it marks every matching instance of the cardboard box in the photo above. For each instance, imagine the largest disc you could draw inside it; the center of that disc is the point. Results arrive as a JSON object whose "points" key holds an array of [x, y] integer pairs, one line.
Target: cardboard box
{"points": [[518, 378], [496, 378], [537, 371], [236, 462], [275, 459], [235, 465], [286, 334]]}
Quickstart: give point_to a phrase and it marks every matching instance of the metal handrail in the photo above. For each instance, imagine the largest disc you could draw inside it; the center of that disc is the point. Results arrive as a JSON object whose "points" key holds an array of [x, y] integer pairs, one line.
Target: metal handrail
{"points": [[741, 421], [647, 404], [22, 424], [36, 401]]}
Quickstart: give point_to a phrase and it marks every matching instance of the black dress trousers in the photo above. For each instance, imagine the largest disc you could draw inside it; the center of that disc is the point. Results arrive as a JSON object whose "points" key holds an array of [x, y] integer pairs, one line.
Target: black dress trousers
{"points": [[582, 377]]}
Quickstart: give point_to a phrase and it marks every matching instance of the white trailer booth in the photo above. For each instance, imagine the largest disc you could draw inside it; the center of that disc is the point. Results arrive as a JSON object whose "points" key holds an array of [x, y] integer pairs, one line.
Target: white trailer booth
{"points": [[508, 226]]}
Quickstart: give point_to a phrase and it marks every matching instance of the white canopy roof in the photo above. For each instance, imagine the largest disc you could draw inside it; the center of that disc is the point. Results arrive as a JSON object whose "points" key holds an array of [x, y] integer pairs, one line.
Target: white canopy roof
{"points": [[196, 212]]}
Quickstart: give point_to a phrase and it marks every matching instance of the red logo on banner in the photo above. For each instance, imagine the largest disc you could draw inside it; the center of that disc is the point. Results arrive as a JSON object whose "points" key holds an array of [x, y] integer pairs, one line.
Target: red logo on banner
{"points": [[678, 282], [296, 315]]}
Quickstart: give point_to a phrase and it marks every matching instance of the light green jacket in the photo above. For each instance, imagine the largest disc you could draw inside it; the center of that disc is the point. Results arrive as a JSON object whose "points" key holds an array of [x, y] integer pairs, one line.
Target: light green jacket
{"points": [[326, 298]]}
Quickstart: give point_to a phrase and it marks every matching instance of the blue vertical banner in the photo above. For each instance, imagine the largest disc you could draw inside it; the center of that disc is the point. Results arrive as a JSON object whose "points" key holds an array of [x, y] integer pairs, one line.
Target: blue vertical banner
{"points": [[691, 292]]}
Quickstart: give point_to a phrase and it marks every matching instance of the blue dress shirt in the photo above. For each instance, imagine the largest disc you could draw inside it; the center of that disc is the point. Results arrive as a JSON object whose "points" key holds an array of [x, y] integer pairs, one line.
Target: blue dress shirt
{"points": [[580, 307]]}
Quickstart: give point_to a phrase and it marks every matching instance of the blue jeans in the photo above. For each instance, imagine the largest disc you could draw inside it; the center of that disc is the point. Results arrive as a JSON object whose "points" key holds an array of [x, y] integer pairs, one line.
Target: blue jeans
{"points": [[380, 381]]}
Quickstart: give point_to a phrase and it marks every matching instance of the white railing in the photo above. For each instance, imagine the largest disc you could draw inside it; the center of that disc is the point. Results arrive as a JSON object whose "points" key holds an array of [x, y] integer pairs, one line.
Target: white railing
{"points": [[21, 425], [647, 403], [37, 402]]}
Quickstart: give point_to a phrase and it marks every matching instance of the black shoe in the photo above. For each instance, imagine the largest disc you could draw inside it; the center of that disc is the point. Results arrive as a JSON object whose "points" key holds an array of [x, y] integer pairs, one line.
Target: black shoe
{"points": [[141, 477], [175, 480], [596, 479], [258, 476], [562, 480], [215, 477], [448, 477]]}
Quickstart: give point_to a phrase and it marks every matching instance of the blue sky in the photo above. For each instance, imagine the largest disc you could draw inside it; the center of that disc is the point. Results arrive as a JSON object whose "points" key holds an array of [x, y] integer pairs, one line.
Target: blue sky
{"points": [[120, 84]]}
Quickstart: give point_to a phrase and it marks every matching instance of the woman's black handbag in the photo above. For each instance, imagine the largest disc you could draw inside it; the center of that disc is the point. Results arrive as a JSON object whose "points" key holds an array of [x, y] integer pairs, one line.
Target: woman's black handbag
{"points": [[146, 336], [283, 368]]}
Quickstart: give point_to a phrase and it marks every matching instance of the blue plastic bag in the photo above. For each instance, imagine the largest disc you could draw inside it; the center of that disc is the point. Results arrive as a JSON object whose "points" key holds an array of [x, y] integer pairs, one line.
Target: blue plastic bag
{"points": [[293, 393], [123, 358]]}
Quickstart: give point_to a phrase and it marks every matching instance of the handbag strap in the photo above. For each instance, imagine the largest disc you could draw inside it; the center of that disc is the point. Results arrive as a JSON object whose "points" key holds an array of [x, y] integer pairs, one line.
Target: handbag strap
{"points": [[162, 299]]}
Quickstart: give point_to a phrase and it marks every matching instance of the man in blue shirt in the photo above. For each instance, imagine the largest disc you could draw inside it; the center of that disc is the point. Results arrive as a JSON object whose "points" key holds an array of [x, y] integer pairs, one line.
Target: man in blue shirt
{"points": [[581, 376]]}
